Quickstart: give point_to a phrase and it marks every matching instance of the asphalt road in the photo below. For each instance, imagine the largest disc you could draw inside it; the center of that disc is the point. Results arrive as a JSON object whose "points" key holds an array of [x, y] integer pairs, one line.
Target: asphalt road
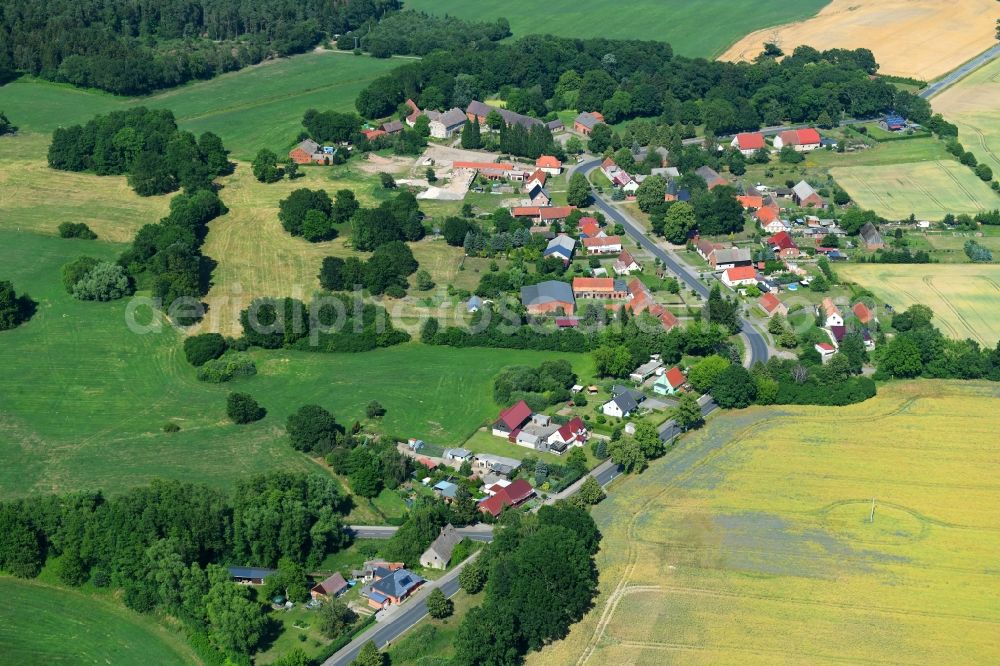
{"points": [[756, 345], [962, 71], [480, 532]]}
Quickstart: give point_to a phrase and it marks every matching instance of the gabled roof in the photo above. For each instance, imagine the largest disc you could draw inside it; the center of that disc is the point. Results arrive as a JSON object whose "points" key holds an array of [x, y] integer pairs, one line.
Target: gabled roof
{"points": [[782, 240], [766, 214], [332, 585], [515, 415], [709, 175], [571, 428], [415, 111], [589, 227], [393, 126], [550, 291], [838, 332], [674, 377], [800, 137], [561, 244], [512, 495], [740, 273], [626, 403], [548, 162], [769, 302], [452, 118], [750, 140], [602, 241], [730, 255], [555, 212], [479, 109], [825, 346], [537, 190], [588, 119], [862, 312], [538, 175], [593, 284], [250, 572], [870, 234], [446, 541], [804, 190], [625, 259], [309, 146]]}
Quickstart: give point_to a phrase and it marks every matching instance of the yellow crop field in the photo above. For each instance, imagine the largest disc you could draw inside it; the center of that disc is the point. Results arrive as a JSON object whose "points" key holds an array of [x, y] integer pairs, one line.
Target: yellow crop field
{"points": [[972, 104], [918, 38], [965, 298], [929, 190], [792, 535]]}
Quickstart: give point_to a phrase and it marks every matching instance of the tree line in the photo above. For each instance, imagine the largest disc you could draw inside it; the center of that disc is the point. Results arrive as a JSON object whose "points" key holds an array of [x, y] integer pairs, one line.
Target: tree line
{"points": [[132, 48], [410, 32]]}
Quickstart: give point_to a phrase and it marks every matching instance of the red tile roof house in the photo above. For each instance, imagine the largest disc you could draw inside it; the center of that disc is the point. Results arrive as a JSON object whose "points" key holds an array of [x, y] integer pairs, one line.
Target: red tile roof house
{"points": [[706, 248], [669, 382], [626, 264], [750, 201], [826, 350], [332, 587], [587, 121], [549, 165], [608, 288], [748, 143], [573, 433], [802, 140], [771, 305], [863, 314], [411, 119], [511, 419], [741, 275], [590, 229], [514, 495], [805, 196], [606, 245], [781, 241], [307, 152]]}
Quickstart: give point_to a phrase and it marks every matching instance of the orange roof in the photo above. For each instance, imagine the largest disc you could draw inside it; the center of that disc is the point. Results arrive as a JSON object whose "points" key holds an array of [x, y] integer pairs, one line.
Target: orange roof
{"points": [[750, 140], [549, 162], [539, 175], [741, 273], [602, 242], [769, 302], [598, 115], [665, 316], [862, 312], [675, 377], [608, 162], [525, 211], [626, 259], [371, 134], [499, 166], [555, 212], [799, 137], [589, 227], [825, 346], [748, 201], [593, 284], [767, 214]]}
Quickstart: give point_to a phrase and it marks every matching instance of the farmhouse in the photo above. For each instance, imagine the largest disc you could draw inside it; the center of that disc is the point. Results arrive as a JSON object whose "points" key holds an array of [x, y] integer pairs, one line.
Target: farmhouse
{"points": [[549, 164], [415, 112], [548, 297], [538, 196], [831, 313], [330, 588], [781, 241], [603, 245], [537, 178], [555, 125], [625, 264], [438, 554], [805, 195], [585, 122], [608, 288], [561, 246], [892, 122], [512, 419], [572, 433], [392, 127], [669, 382], [871, 237], [711, 177], [544, 214], [479, 112], [741, 275], [706, 248], [802, 140], [771, 305], [513, 495], [309, 152], [446, 125], [590, 229], [392, 587], [730, 257], [748, 143]]}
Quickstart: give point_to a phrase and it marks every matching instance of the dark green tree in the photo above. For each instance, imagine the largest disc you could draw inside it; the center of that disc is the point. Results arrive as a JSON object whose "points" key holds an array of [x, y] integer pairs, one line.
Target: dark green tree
{"points": [[734, 388], [439, 606], [242, 408], [312, 428]]}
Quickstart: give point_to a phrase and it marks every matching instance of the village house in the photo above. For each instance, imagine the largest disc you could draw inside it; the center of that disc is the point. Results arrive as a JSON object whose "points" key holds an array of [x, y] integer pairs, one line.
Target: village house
{"points": [[537, 178], [310, 152], [392, 587], [669, 382], [549, 297], [777, 226], [625, 264], [830, 312], [330, 588], [549, 164], [561, 246], [543, 214], [609, 168], [500, 466], [572, 433], [622, 405], [392, 127], [782, 242], [871, 238], [446, 125], [479, 112], [710, 176], [771, 305], [536, 432], [415, 112], [748, 143], [863, 313], [676, 193], [538, 196], [473, 304], [606, 288], [438, 554], [603, 245], [802, 140], [739, 276], [730, 257], [892, 122], [514, 495], [706, 248], [372, 134], [511, 420], [805, 196], [585, 122], [590, 229]]}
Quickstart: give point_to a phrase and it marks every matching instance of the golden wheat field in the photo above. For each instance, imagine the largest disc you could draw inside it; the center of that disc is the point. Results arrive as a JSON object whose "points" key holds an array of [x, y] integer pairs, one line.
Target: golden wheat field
{"points": [[755, 539], [917, 38], [972, 104]]}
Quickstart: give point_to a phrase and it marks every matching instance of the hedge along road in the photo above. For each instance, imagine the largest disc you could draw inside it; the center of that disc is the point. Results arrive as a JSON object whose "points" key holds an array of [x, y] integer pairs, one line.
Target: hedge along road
{"points": [[756, 344]]}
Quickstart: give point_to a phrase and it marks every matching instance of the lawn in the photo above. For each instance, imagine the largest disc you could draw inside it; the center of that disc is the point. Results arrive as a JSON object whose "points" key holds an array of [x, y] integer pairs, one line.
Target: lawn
{"points": [[430, 642], [46, 625], [254, 108], [752, 541], [83, 400], [693, 27], [928, 190], [965, 298], [972, 105]]}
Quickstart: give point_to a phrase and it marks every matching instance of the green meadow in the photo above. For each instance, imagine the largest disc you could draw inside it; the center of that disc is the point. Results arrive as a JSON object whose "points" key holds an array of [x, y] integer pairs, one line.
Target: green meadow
{"points": [[702, 28], [258, 107]]}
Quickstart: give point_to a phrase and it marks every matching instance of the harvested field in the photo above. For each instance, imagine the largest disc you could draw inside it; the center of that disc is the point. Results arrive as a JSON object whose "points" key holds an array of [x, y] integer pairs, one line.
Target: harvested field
{"points": [[753, 540], [973, 105], [923, 39], [928, 190], [965, 298]]}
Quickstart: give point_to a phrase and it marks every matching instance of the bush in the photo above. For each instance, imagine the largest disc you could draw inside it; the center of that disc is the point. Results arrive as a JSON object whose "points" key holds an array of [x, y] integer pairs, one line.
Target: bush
{"points": [[219, 370], [199, 349], [242, 408], [76, 270], [79, 230], [171, 427], [104, 282]]}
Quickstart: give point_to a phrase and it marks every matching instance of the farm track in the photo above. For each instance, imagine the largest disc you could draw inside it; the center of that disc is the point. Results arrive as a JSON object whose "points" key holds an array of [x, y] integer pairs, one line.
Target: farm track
{"points": [[984, 144], [929, 281], [958, 184]]}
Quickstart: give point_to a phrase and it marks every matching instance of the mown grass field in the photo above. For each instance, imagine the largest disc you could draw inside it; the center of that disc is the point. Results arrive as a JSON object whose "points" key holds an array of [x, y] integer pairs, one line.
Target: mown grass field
{"points": [[258, 107], [929, 190], [751, 541], [693, 27], [83, 399], [965, 298], [972, 105], [46, 625]]}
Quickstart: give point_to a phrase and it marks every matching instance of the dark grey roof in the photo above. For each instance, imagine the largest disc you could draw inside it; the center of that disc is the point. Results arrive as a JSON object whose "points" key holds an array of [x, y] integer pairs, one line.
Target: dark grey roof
{"points": [[398, 583], [619, 390], [626, 403], [587, 119], [708, 174], [393, 126], [555, 124], [309, 146], [732, 255], [547, 292], [870, 234], [446, 542], [479, 109], [250, 572], [620, 285], [452, 118]]}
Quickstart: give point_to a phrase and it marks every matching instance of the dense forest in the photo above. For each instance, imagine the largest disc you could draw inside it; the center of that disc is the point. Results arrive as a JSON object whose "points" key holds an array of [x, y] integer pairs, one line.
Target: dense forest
{"points": [[628, 79], [131, 48], [417, 33]]}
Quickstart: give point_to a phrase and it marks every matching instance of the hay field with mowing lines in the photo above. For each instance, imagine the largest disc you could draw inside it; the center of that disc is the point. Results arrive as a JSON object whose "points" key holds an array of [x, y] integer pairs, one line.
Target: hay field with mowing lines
{"points": [[47, 625], [923, 39], [750, 541], [965, 298], [928, 190], [83, 399], [258, 107], [972, 104], [693, 27]]}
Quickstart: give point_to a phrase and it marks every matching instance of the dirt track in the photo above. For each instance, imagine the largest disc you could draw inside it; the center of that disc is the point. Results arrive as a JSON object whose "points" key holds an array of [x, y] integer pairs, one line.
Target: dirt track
{"points": [[919, 38]]}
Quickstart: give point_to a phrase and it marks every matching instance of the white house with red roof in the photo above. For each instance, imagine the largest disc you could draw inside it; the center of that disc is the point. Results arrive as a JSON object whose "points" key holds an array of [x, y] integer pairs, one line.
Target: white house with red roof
{"points": [[549, 164], [512, 419], [739, 276], [771, 305], [605, 245], [748, 143], [826, 350], [589, 228], [626, 264], [572, 433], [513, 494], [802, 140]]}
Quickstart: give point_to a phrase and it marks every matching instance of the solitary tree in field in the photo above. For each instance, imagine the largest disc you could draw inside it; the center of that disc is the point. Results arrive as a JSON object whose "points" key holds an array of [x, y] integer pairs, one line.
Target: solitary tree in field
{"points": [[242, 408], [374, 409], [265, 166]]}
